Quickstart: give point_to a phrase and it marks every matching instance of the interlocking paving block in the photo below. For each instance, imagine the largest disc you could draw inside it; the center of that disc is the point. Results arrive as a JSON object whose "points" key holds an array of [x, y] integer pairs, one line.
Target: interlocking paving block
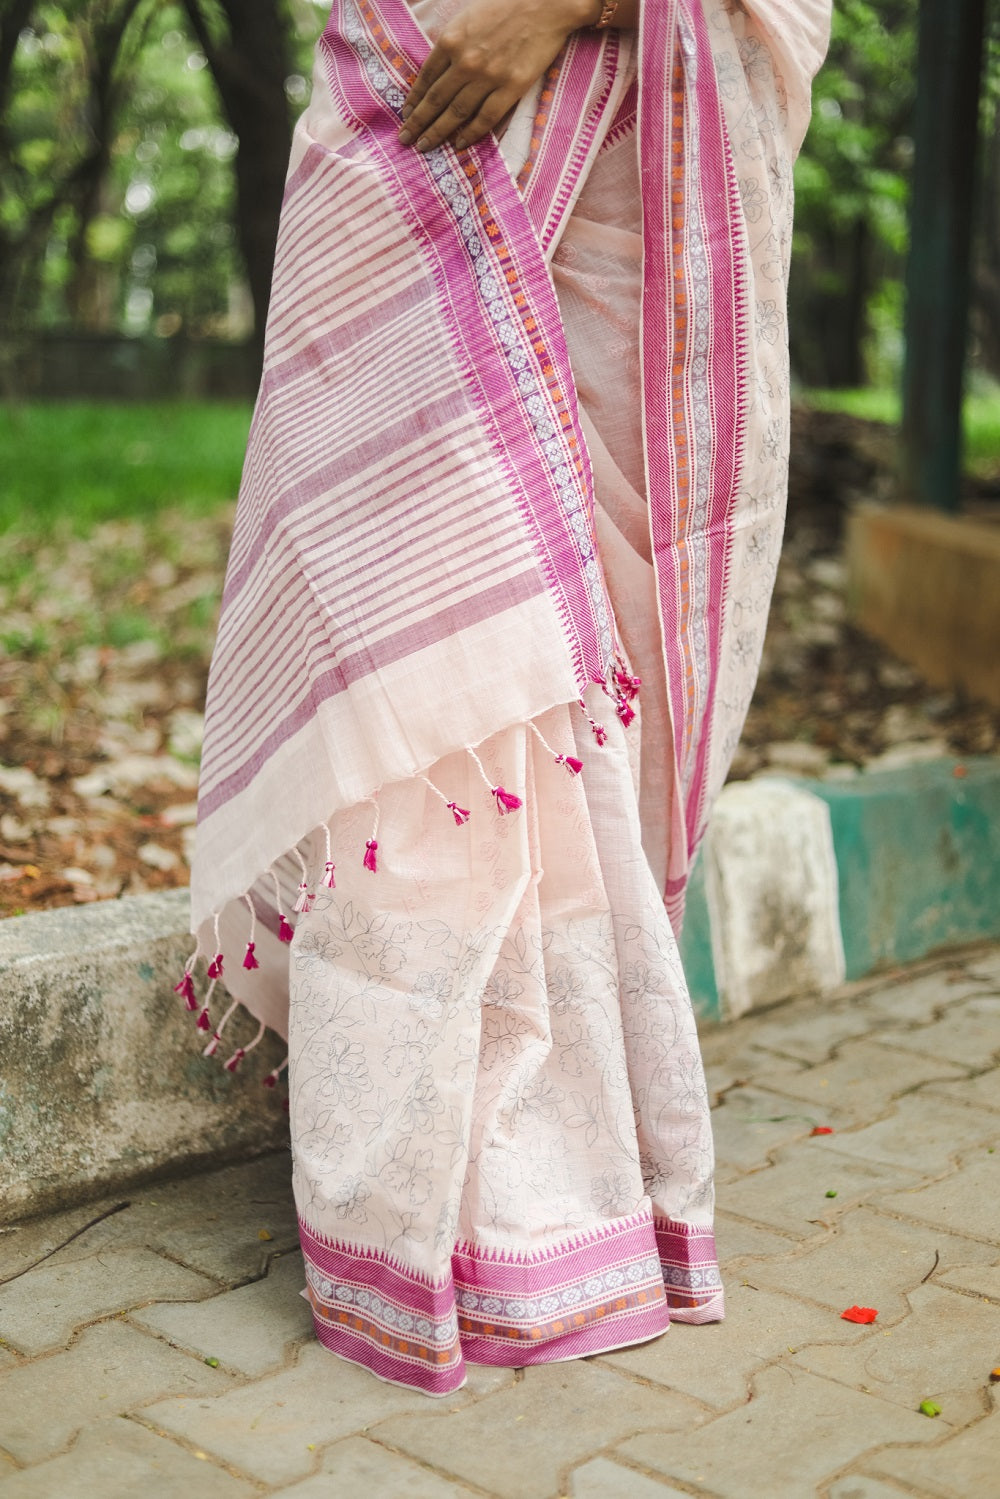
{"points": [[812, 1036], [791, 1194], [252, 1330], [740, 1063], [110, 1369], [918, 1001], [943, 1352], [966, 1464], [986, 966], [980, 1280], [359, 1469], [751, 1123], [603, 1479], [871, 1260], [863, 1080], [964, 1203], [796, 1431], [271, 1429], [120, 1459], [921, 1138], [857, 1486], [981, 1092], [969, 1034], [554, 1418], [216, 1215], [735, 1240], [41, 1309], [717, 1363]]}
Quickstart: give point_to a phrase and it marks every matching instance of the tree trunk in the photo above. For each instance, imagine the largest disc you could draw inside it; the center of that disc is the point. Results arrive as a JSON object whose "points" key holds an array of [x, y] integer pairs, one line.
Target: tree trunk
{"points": [[250, 64]]}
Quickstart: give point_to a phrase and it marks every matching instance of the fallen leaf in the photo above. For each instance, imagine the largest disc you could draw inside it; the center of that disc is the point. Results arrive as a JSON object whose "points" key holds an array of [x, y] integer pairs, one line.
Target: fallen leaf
{"points": [[994, 1376], [862, 1314], [831, 1193], [263, 1234], [213, 1363], [821, 1129], [929, 1408]]}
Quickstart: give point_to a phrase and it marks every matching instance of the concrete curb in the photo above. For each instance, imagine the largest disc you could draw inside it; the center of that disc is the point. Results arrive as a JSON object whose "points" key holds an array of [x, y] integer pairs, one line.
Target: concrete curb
{"points": [[101, 1081], [800, 884]]}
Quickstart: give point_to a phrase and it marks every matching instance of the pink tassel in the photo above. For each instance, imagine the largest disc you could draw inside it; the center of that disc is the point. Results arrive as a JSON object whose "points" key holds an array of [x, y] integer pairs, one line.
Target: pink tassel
{"points": [[305, 900], [371, 855], [249, 961], [271, 1081], [506, 801], [204, 1022], [328, 881], [215, 967], [186, 990], [572, 764], [625, 711], [460, 814], [235, 1059], [627, 685], [212, 1046], [285, 931]]}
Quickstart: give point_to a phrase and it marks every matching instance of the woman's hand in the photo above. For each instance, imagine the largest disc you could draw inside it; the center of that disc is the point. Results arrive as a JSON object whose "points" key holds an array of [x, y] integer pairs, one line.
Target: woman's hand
{"points": [[484, 61]]}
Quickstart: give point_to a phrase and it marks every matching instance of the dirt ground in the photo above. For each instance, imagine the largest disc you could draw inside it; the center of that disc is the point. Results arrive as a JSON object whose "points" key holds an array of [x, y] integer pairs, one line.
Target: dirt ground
{"points": [[106, 642]]}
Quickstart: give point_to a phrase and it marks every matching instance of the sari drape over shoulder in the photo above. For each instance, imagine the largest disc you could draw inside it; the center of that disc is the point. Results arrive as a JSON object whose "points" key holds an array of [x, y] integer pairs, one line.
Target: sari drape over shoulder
{"points": [[521, 441]]}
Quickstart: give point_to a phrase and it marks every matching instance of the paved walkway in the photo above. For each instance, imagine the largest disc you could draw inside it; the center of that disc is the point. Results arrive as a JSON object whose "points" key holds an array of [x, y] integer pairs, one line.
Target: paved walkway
{"points": [[166, 1353]]}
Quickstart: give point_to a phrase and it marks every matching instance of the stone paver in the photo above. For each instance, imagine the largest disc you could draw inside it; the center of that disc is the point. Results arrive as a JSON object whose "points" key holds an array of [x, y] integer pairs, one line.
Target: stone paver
{"points": [[980, 1280], [783, 1400], [271, 1429], [735, 1240], [864, 1079], [120, 1459], [252, 1330], [964, 1203], [791, 1194], [794, 1432], [981, 1091], [360, 1467], [548, 1420], [42, 1309], [964, 1465], [920, 1001], [857, 1486], [716, 1364], [969, 1034], [903, 1139], [871, 1260], [109, 1370], [751, 1124], [943, 1352], [603, 1479], [210, 1223]]}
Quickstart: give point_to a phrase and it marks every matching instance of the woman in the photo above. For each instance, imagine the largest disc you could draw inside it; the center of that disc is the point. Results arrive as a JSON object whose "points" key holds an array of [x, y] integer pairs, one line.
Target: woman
{"points": [[521, 442]]}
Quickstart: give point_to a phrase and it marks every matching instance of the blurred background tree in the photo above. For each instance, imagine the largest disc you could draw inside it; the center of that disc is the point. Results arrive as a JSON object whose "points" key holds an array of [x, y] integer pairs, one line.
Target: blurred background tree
{"points": [[143, 147]]}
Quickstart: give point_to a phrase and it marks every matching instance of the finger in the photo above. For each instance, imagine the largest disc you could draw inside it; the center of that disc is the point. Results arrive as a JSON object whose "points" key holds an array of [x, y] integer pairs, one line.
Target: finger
{"points": [[465, 105], [487, 118], [434, 103], [435, 66]]}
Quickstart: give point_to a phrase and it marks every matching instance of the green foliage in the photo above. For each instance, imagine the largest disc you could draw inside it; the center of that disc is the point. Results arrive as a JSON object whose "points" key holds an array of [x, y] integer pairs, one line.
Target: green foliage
{"points": [[82, 463], [851, 195], [981, 418]]}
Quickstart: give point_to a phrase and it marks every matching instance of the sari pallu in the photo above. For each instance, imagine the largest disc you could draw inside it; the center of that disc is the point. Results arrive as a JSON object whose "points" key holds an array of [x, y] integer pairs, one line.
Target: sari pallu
{"points": [[416, 563]]}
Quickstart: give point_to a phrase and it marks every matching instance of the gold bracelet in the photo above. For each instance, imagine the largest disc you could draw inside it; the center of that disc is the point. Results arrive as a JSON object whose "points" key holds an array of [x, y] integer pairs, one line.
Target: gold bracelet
{"points": [[607, 14]]}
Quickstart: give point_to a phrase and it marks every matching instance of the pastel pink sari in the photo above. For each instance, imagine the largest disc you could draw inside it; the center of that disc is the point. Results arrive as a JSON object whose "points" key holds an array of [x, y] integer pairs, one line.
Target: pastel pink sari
{"points": [[521, 441]]}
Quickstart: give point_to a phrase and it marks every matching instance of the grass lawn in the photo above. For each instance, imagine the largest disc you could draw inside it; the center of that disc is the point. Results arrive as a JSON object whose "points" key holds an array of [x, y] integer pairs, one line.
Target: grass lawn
{"points": [[88, 462], [982, 419]]}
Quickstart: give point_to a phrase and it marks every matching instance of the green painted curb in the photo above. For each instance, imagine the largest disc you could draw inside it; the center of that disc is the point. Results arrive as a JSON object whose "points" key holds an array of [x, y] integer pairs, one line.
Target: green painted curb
{"points": [[918, 859]]}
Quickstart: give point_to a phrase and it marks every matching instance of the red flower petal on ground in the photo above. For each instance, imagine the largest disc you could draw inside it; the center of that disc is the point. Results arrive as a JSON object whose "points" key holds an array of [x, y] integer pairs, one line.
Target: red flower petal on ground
{"points": [[821, 1129], [859, 1314]]}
